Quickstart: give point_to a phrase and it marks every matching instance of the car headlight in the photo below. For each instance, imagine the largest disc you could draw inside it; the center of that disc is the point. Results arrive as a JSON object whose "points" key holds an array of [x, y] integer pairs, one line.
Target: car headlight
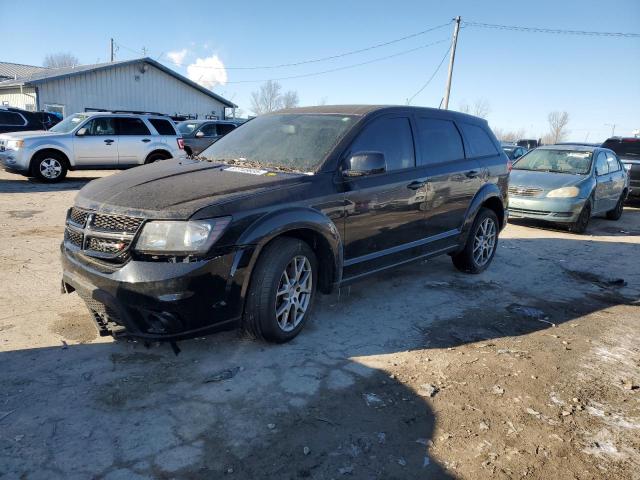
{"points": [[180, 237], [15, 144], [564, 192]]}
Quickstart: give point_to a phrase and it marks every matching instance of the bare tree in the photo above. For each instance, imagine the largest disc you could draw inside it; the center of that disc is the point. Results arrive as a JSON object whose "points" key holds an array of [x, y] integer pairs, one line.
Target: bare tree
{"points": [[508, 135], [60, 60], [290, 99], [480, 108], [557, 127], [269, 97]]}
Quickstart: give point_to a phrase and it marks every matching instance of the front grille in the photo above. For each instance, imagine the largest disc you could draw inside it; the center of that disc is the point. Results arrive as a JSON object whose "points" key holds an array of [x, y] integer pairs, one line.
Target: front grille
{"points": [[106, 245], [73, 237], [78, 216], [530, 212], [520, 191], [115, 223]]}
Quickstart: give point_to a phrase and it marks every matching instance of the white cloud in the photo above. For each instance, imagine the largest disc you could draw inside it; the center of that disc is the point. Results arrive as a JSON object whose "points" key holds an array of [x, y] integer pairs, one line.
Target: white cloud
{"points": [[178, 56], [208, 72]]}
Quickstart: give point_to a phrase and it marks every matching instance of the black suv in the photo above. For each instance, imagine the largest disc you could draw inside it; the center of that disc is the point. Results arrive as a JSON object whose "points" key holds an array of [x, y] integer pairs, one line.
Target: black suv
{"points": [[200, 134], [628, 151], [17, 120], [288, 204]]}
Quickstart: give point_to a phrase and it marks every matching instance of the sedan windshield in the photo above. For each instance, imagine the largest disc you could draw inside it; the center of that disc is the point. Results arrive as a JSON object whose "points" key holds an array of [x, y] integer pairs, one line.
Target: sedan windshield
{"points": [[69, 123], [292, 142], [558, 161]]}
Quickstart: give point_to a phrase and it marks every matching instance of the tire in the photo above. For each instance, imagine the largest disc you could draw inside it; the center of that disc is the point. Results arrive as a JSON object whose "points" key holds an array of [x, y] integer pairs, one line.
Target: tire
{"points": [[49, 167], [265, 294], [481, 245], [154, 157], [616, 213], [580, 225]]}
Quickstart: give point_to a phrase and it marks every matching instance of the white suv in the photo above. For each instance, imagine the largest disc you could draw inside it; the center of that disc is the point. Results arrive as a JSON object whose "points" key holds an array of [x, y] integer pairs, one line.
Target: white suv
{"points": [[91, 141]]}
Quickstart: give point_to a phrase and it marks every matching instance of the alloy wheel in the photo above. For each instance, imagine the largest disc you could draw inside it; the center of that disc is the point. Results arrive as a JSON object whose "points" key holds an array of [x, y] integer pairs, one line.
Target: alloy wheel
{"points": [[294, 293], [484, 242], [50, 168]]}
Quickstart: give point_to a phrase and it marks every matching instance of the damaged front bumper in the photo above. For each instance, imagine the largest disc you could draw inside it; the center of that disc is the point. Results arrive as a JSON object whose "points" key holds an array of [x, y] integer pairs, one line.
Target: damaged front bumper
{"points": [[158, 300], [559, 210]]}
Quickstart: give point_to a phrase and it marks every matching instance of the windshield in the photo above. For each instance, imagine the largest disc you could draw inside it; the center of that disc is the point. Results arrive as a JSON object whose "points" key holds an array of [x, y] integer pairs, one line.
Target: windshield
{"points": [[557, 161], [187, 127], [298, 142], [69, 123]]}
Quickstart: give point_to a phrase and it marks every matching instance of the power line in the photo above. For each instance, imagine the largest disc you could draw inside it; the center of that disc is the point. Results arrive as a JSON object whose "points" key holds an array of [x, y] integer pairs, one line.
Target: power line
{"points": [[444, 57], [551, 30], [314, 60], [313, 74]]}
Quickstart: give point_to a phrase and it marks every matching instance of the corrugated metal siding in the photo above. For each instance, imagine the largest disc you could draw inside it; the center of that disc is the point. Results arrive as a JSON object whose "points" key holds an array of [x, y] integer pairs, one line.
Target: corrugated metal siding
{"points": [[127, 88], [25, 99]]}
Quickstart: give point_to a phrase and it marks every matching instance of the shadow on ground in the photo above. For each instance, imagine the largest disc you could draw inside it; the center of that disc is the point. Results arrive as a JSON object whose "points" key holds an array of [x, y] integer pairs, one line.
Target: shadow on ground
{"points": [[31, 185]]}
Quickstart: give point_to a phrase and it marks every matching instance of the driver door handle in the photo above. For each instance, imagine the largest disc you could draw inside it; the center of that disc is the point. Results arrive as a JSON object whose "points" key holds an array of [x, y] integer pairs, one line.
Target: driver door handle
{"points": [[472, 174], [415, 185], [108, 141], [145, 140]]}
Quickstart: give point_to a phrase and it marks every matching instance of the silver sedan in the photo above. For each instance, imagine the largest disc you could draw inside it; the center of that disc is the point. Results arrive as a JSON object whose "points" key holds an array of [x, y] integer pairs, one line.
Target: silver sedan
{"points": [[568, 184]]}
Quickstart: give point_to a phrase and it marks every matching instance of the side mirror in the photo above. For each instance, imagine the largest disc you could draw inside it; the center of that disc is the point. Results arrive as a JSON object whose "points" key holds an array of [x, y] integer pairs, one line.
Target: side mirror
{"points": [[82, 132], [365, 163], [199, 134]]}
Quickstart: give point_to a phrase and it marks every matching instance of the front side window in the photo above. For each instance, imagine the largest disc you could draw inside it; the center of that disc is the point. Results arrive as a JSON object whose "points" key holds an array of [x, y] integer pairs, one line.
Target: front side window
{"points": [[480, 143], [224, 128], [209, 130], [186, 128], [298, 142], [614, 165], [440, 141], [100, 126], [132, 126], [556, 161], [68, 124], [602, 167], [391, 137]]}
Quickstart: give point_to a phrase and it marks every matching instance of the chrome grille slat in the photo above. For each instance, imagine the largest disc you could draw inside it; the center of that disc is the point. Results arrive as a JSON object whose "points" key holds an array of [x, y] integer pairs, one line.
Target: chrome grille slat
{"points": [[522, 191], [115, 223]]}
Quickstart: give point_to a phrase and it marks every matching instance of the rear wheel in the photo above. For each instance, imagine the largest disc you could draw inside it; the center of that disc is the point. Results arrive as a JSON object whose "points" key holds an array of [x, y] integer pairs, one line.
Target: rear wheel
{"points": [[580, 225], [481, 245], [282, 291], [616, 213], [49, 167], [154, 157]]}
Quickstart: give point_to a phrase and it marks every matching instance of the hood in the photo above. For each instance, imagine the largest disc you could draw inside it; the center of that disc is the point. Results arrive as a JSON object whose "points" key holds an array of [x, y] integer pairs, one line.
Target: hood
{"points": [[27, 134], [177, 189], [544, 180]]}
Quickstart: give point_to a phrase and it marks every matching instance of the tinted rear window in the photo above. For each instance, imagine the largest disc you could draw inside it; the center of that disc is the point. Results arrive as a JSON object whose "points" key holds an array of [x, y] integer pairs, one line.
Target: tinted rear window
{"points": [[163, 127], [480, 143], [624, 148], [440, 141], [11, 118], [132, 126]]}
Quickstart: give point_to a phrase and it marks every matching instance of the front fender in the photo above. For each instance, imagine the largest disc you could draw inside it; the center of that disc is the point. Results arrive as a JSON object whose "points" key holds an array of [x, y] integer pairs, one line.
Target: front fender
{"points": [[45, 144]]}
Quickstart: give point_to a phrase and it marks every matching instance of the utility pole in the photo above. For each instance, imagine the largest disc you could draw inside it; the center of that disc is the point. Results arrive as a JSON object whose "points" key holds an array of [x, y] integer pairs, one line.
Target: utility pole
{"points": [[613, 128], [454, 42], [112, 49]]}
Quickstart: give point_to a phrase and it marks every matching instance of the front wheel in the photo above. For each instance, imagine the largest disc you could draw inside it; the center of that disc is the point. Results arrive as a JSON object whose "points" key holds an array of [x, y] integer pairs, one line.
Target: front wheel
{"points": [[580, 225], [49, 167], [282, 291], [481, 245]]}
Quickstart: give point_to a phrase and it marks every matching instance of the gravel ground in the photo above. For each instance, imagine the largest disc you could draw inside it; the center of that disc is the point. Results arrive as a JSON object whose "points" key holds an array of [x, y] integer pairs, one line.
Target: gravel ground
{"points": [[529, 370]]}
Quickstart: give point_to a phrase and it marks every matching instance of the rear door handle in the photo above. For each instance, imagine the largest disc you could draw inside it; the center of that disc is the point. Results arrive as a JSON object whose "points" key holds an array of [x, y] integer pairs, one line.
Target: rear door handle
{"points": [[472, 174], [416, 185], [146, 140], [108, 141]]}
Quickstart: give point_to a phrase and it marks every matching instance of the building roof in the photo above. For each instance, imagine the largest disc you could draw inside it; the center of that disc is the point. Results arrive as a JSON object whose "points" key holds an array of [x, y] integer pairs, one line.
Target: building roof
{"points": [[10, 70], [44, 75]]}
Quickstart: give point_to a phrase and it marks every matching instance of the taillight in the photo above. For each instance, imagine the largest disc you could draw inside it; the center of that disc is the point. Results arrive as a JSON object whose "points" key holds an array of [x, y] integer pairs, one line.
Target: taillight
{"points": [[181, 143]]}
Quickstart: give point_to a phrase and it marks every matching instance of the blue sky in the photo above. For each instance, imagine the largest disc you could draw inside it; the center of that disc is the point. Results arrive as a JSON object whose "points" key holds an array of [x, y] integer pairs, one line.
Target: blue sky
{"points": [[522, 76]]}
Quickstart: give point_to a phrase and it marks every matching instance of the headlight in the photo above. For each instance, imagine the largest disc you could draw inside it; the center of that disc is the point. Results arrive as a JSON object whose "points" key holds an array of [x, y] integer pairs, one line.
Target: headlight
{"points": [[180, 237], [15, 144], [565, 192]]}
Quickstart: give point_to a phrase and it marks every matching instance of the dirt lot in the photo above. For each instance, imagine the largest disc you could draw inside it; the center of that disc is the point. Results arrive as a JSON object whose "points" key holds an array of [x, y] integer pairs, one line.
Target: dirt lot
{"points": [[530, 370]]}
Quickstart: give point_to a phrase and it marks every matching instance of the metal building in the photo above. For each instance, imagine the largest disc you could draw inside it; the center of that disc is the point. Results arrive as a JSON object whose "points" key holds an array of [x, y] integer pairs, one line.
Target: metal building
{"points": [[139, 85]]}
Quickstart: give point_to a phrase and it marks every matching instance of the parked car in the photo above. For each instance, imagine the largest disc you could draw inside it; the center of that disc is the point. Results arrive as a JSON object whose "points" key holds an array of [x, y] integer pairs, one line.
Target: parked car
{"points": [[568, 184], [287, 205], [528, 143], [514, 151], [90, 141], [18, 120], [628, 150], [200, 134]]}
